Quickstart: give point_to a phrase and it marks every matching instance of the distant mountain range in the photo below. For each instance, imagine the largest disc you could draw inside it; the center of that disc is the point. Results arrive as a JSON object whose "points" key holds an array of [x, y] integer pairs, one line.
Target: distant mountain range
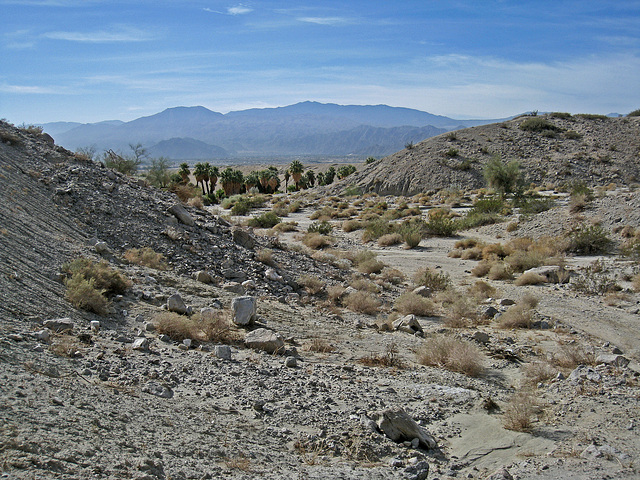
{"points": [[307, 128]]}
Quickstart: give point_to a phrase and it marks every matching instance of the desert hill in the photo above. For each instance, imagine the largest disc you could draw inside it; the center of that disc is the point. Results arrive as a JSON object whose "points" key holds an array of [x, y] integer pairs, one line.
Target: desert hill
{"points": [[561, 148]]}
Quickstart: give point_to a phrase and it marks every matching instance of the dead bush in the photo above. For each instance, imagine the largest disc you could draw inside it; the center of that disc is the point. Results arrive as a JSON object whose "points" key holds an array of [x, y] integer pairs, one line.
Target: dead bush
{"points": [[530, 278], [146, 257], [286, 227], [482, 290], [538, 372], [516, 316], [519, 261], [389, 358], [312, 284], [495, 250], [105, 278], [412, 303], [196, 202], [389, 239], [362, 302], [335, 293], [500, 271], [482, 268], [316, 241], [519, 412], [319, 345], [570, 356], [392, 275], [451, 353], [206, 328], [265, 255], [351, 225], [432, 279], [371, 266], [635, 282], [363, 284], [65, 346], [474, 253]]}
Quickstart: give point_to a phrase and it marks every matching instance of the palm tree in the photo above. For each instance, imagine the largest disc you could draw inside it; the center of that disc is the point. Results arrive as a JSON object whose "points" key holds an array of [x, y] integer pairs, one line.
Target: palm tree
{"points": [[199, 172], [287, 176], [311, 178], [214, 173], [251, 180], [263, 176], [296, 168], [184, 172], [274, 181], [207, 170]]}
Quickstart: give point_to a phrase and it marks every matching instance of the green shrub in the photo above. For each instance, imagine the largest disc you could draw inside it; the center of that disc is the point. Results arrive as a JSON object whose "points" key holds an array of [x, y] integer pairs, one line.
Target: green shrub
{"points": [[490, 205], [352, 191], [572, 135], [83, 294], [538, 124], [452, 152], [473, 220], [563, 115], [376, 228], [503, 177], [441, 225], [266, 220], [635, 113], [432, 279], [532, 205], [104, 278], [589, 240], [592, 116]]}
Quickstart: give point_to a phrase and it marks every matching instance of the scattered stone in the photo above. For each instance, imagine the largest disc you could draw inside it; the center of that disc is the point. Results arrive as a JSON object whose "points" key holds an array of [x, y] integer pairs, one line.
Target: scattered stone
{"points": [[204, 277], [59, 325], [149, 327], [176, 304], [222, 351], [292, 298], [481, 337], [95, 325], [506, 302], [233, 287], [243, 238], [244, 310], [249, 284], [43, 335], [615, 360], [141, 343], [266, 340], [423, 291], [418, 471], [164, 338], [16, 337], [187, 342], [271, 274], [396, 424], [291, 362], [616, 351], [182, 215], [38, 348], [408, 324], [102, 248], [158, 390], [582, 373], [501, 474], [490, 312]]}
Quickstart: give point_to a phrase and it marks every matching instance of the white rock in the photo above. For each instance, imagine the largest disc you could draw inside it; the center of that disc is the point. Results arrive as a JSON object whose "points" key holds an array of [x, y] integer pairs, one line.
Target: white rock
{"points": [[266, 340], [43, 335], [141, 343], [222, 351], [95, 325], [271, 274], [398, 425], [176, 304], [244, 310], [249, 284]]}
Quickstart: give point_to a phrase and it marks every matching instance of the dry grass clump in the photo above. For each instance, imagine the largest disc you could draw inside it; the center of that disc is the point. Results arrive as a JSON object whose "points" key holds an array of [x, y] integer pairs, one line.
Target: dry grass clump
{"points": [[530, 278], [520, 411], [319, 345], [494, 250], [335, 293], [460, 310], [412, 303], [389, 358], [286, 227], [316, 241], [362, 302], [65, 346], [146, 257], [392, 275], [84, 294], [351, 225], [499, 271], [390, 239], [186, 192], [372, 265], [312, 284], [240, 462], [517, 316], [265, 255], [538, 372], [206, 328], [520, 260], [104, 277], [452, 354], [482, 290], [482, 268], [432, 279], [570, 356], [635, 282], [196, 202], [364, 284]]}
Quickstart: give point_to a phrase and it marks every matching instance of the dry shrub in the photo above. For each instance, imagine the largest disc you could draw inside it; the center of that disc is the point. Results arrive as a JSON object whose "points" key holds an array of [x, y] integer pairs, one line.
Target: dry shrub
{"points": [[432, 279], [286, 227], [65, 346], [474, 253], [412, 303], [482, 290], [517, 316], [500, 271], [319, 345], [207, 328], [362, 302], [389, 239], [627, 231], [392, 275], [530, 278], [452, 354], [104, 278], [351, 225], [312, 284], [240, 462], [467, 243], [494, 250], [389, 358], [363, 284], [371, 266], [83, 294], [538, 372], [316, 240], [460, 310], [482, 268], [518, 244], [265, 255], [455, 253], [519, 412], [146, 257], [570, 356], [529, 301], [196, 202], [520, 261], [512, 226], [335, 293], [185, 192], [635, 282], [578, 202]]}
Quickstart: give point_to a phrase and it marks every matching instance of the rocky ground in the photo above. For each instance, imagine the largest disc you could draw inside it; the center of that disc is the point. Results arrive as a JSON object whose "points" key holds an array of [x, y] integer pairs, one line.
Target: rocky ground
{"points": [[110, 396]]}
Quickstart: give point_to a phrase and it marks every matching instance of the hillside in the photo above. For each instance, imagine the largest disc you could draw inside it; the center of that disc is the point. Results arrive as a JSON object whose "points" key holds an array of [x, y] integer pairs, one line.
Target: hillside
{"points": [[595, 150], [306, 128]]}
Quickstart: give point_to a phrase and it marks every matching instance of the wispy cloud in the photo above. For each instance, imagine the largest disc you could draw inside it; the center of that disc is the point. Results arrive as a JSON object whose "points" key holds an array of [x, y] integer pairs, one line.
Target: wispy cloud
{"points": [[331, 21], [28, 89], [116, 35], [239, 9]]}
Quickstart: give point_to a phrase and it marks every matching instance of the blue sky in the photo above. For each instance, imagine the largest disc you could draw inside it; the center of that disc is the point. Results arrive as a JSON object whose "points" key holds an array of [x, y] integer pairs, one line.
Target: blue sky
{"points": [[92, 60]]}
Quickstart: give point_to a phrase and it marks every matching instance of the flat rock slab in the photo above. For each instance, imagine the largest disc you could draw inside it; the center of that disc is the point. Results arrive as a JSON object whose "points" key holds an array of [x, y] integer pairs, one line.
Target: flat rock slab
{"points": [[59, 324], [265, 340]]}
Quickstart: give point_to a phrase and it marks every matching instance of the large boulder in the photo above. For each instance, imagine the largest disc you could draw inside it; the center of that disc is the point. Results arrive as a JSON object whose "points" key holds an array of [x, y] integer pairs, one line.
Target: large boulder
{"points": [[408, 324], [244, 310], [243, 238], [176, 304], [181, 214], [59, 325], [265, 340], [396, 424]]}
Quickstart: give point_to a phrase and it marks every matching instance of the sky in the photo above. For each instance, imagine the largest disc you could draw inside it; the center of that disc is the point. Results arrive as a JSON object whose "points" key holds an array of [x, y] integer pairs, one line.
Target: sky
{"points": [[94, 60]]}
